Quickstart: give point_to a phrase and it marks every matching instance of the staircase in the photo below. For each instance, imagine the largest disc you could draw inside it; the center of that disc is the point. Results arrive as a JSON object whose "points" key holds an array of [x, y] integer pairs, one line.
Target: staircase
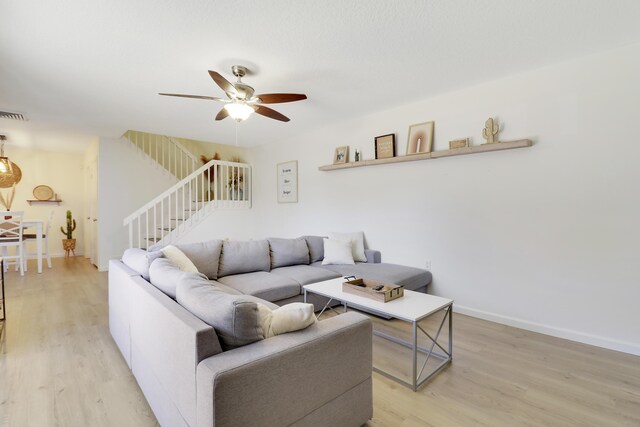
{"points": [[167, 153], [196, 194]]}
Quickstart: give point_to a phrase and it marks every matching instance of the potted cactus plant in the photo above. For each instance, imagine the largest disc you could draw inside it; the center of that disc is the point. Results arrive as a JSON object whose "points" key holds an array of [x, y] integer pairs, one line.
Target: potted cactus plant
{"points": [[69, 244]]}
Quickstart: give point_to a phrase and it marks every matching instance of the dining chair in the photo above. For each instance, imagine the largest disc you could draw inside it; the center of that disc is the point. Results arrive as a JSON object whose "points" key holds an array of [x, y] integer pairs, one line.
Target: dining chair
{"points": [[11, 235], [45, 241]]}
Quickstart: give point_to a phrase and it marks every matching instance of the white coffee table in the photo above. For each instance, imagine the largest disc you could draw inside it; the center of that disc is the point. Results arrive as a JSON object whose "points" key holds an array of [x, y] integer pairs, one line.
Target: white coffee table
{"points": [[412, 308]]}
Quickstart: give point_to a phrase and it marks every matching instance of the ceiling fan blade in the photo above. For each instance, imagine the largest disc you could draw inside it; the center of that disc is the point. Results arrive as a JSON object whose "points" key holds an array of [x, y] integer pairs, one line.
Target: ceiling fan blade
{"points": [[272, 114], [224, 84], [222, 114], [211, 98], [276, 98]]}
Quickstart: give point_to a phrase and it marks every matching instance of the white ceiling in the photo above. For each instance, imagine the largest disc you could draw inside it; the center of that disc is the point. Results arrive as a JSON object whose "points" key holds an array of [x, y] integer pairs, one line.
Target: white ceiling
{"points": [[83, 68]]}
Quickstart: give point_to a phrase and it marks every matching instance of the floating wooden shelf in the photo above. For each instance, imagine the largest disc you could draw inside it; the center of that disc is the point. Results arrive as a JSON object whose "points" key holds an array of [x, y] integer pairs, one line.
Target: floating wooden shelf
{"points": [[433, 155], [44, 201]]}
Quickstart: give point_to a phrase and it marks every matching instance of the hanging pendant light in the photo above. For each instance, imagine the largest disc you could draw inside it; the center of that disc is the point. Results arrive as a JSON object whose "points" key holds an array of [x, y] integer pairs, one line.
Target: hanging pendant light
{"points": [[5, 164]]}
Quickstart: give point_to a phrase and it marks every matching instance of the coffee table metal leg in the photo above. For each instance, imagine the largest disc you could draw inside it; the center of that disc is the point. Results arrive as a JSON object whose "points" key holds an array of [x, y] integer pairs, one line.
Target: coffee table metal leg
{"points": [[445, 358], [450, 332], [415, 354]]}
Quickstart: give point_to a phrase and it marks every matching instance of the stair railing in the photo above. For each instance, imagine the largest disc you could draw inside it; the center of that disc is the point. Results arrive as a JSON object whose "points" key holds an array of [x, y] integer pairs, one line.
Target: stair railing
{"points": [[168, 153], [215, 185]]}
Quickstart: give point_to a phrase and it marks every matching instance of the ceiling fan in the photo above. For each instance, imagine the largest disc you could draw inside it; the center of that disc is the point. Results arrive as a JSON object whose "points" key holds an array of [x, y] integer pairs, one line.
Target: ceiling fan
{"points": [[242, 102]]}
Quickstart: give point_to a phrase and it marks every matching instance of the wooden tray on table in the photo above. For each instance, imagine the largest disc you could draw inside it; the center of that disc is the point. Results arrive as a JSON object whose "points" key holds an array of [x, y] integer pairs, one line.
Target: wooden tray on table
{"points": [[364, 288]]}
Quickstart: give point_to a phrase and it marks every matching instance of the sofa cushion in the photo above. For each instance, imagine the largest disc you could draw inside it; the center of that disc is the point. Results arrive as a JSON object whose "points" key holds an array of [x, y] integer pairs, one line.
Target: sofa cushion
{"points": [[235, 318], [305, 274], [140, 260], [286, 252], [164, 275], [409, 277], [357, 243], [270, 287], [244, 257], [204, 255], [337, 252], [225, 288], [316, 247]]}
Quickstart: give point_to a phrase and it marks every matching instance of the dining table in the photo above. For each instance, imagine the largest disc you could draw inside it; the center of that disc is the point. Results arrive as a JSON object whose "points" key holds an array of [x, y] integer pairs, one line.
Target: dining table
{"points": [[38, 225]]}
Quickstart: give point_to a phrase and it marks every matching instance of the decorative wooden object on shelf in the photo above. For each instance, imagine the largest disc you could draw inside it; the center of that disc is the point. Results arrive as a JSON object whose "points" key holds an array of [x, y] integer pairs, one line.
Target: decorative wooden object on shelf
{"points": [[44, 201], [521, 143], [43, 192], [458, 143], [490, 131]]}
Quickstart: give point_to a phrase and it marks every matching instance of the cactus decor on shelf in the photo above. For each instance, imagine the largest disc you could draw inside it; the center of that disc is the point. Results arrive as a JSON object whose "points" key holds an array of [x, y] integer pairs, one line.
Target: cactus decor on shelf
{"points": [[69, 244], [490, 131]]}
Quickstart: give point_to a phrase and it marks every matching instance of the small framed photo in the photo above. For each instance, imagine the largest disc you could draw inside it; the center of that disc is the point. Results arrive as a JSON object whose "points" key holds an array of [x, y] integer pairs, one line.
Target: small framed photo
{"points": [[420, 138], [341, 155], [385, 146]]}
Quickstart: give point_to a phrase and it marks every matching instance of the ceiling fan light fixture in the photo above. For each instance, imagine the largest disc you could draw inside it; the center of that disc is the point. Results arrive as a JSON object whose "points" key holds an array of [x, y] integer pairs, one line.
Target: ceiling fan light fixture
{"points": [[238, 111]]}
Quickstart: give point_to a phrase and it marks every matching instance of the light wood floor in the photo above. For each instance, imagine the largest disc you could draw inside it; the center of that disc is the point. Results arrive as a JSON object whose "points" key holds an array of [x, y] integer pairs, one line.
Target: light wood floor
{"points": [[59, 366]]}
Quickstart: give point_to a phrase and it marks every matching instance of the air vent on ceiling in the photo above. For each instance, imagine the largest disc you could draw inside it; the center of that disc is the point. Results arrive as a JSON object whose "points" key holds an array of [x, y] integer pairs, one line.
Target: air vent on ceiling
{"points": [[12, 116]]}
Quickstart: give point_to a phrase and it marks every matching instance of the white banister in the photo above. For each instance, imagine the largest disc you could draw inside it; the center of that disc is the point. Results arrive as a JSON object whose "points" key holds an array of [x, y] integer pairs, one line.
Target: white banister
{"points": [[190, 200], [169, 154]]}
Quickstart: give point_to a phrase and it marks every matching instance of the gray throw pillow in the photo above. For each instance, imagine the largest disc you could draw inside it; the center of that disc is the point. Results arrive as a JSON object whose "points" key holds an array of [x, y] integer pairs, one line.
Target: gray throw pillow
{"points": [[316, 247], [234, 317], [140, 260], [164, 275], [244, 257], [286, 252], [204, 255]]}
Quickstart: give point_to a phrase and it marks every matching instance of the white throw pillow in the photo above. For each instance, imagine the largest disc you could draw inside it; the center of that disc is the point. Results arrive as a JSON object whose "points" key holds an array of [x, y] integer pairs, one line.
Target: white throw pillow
{"points": [[357, 243], [179, 259], [288, 318], [337, 252]]}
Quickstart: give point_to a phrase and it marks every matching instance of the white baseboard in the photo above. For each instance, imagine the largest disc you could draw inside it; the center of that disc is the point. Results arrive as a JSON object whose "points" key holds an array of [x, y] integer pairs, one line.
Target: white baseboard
{"points": [[53, 255], [598, 341]]}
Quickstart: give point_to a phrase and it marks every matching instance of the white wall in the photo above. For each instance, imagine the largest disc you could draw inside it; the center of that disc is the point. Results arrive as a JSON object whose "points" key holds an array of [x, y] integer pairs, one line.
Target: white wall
{"points": [[63, 173], [543, 238], [126, 181]]}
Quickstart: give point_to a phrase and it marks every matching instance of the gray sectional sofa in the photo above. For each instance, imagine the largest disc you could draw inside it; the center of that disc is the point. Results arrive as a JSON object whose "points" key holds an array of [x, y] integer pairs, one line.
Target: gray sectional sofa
{"points": [[320, 375]]}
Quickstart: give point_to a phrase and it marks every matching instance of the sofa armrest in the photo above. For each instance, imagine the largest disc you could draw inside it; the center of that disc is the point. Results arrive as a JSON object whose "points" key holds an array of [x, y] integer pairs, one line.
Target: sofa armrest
{"points": [[281, 380], [373, 256], [167, 343]]}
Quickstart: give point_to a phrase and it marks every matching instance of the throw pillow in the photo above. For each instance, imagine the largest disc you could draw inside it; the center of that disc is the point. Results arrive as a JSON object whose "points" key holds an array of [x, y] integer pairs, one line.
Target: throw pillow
{"points": [[285, 252], [140, 260], [179, 259], [288, 318], [234, 317], [357, 241], [164, 275], [337, 252]]}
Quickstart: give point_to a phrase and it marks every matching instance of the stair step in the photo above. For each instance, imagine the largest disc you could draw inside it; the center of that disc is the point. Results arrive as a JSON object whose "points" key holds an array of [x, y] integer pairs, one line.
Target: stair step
{"points": [[153, 239], [166, 228], [178, 219]]}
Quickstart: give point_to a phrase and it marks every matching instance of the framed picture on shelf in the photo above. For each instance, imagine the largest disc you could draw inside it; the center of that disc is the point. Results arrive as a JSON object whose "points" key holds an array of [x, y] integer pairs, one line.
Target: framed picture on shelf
{"points": [[420, 138], [385, 146], [341, 155], [288, 182]]}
